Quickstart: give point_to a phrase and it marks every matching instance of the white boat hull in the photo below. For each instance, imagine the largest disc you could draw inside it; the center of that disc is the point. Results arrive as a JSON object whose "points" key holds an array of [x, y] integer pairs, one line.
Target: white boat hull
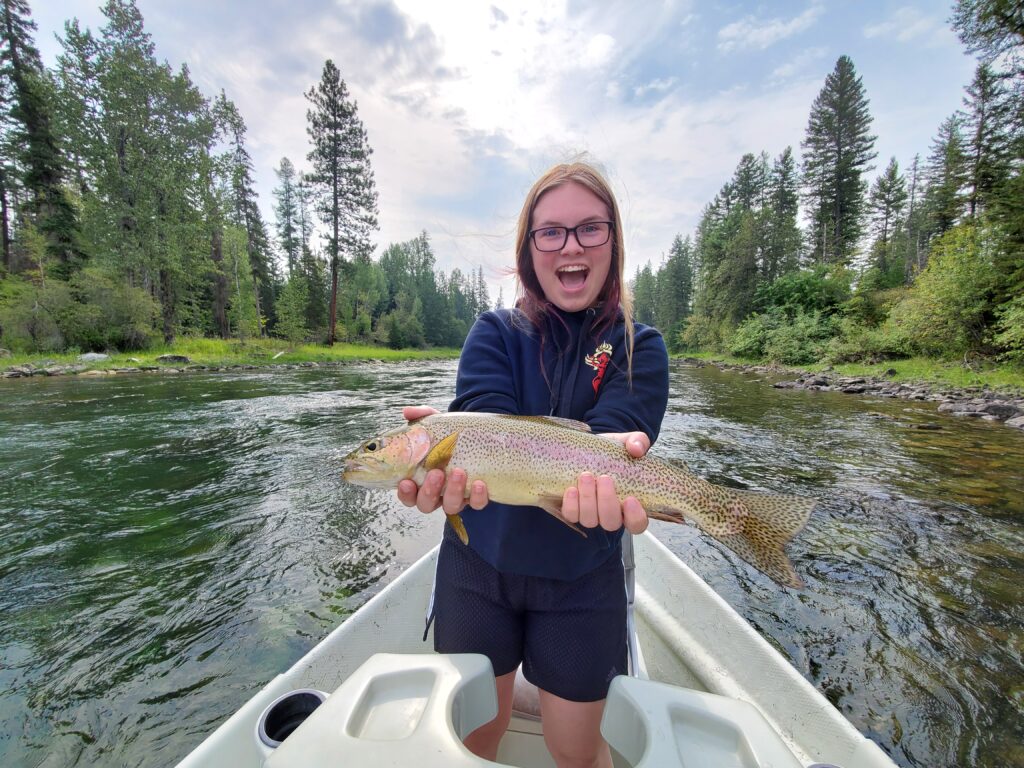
{"points": [[689, 637]]}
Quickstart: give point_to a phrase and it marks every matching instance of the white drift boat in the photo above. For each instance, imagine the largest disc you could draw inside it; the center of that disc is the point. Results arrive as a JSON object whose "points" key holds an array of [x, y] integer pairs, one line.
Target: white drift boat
{"points": [[709, 692]]}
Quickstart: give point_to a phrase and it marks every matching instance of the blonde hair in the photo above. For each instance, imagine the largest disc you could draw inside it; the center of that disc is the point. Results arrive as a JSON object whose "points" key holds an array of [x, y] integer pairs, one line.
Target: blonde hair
{"points": [[530, 297]]}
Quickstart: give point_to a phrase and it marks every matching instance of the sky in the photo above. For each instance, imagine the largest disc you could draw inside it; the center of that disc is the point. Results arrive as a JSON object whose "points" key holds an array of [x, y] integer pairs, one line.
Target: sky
{"points": [[466, 103]]}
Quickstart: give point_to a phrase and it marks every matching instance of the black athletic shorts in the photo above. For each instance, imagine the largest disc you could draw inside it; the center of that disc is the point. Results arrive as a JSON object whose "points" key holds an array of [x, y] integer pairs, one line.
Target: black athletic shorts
{"points": [[570, 636]]}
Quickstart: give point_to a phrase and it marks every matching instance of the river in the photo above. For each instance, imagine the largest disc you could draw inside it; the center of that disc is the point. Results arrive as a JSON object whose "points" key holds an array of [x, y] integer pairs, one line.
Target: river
{"points": [[169, 543]]}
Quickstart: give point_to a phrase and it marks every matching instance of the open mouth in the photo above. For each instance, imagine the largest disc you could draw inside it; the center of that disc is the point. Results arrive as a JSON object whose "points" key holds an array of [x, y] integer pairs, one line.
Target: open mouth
{"points": [[573, 276]]}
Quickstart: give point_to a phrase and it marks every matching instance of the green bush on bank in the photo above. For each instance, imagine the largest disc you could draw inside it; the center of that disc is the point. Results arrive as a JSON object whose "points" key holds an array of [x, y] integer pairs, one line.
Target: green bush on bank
{"points": [[779, 337], [947, 313], [92, 312]]}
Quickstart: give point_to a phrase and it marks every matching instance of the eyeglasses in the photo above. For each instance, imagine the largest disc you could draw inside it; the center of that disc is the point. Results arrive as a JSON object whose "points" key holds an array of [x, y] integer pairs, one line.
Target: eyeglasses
{"points": [[589, 235]]}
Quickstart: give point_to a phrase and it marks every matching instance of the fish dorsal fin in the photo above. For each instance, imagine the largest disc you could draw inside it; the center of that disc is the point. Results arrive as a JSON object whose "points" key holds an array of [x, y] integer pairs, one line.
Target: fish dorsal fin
{"points": [[558, 421], [441, 453]]}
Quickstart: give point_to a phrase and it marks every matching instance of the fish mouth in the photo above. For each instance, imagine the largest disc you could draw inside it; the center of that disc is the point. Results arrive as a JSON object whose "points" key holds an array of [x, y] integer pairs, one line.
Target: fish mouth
{"points": [[358, 473], [573, 276]]}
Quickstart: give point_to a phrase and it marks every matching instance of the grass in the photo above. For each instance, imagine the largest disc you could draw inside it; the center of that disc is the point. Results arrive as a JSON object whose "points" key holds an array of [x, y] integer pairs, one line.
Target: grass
{"points": [[220, 353], [1003, 377]]}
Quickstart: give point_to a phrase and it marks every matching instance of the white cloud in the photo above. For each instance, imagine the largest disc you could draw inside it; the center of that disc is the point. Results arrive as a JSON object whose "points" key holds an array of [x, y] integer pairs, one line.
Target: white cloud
{"points": [[758, 34], [465, 104], [658, 85], [799, 65], [908, 23]]}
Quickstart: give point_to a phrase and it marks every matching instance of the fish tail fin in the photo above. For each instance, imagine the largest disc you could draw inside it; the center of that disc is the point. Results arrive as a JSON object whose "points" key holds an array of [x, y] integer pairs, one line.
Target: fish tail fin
{"points": [[772, 519]]}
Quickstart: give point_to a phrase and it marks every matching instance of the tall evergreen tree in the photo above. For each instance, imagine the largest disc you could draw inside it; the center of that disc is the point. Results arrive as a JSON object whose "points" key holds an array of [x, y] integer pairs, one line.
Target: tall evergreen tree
{"points": [[838, 150], [986, 120], [341, 174], [783, 237], [644, 290], [994, 29], [674, 288], [886, 205], [915, 251], [40, 159], [245, 209], [947, 177], [287, 215]]}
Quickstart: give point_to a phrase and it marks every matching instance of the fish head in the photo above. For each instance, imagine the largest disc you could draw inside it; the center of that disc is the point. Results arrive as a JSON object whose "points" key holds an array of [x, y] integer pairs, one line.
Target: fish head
{"points": [[383, 461]]}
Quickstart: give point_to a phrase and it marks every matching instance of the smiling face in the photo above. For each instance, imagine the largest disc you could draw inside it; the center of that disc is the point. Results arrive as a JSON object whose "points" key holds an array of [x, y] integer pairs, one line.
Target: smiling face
{"points": [[574, 277]]}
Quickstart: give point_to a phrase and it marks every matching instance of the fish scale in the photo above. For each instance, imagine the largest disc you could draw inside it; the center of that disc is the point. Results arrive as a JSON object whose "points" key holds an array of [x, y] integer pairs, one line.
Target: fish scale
{"points": [[531, 460]]}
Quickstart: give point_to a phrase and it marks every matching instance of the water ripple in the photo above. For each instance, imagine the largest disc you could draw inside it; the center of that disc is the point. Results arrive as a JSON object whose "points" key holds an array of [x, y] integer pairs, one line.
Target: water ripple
{"points": [[170, 543]]}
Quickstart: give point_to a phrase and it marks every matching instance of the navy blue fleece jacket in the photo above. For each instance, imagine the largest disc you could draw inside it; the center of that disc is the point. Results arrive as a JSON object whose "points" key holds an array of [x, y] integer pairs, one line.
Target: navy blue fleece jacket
{"points": [[504, 368]]}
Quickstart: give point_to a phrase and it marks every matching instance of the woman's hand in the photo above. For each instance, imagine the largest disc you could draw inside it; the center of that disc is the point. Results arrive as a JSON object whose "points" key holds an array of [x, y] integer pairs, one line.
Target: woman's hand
{"points": [[592, 501], [435, 492]]}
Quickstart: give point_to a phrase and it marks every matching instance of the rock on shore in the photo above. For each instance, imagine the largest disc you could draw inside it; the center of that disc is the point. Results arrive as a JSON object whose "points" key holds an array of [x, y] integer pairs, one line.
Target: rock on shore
{"points": [[971, 402]]}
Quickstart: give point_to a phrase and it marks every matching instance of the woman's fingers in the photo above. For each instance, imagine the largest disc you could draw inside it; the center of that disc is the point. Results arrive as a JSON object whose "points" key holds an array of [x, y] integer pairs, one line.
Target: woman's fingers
{"points": [[455, 492], [429, 496], [634, 517], [478, 496], [637, 443], [407, 491], [609, 511], [413, 412], [587, 487], [593, 501]]}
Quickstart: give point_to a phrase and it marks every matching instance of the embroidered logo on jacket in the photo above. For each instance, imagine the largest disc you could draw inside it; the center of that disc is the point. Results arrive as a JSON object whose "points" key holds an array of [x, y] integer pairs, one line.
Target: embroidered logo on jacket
{"points": [[599, 362]]}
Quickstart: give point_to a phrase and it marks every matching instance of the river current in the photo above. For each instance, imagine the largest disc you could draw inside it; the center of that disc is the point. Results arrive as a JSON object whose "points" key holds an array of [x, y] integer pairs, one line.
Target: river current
{"points": [[169, 543]]}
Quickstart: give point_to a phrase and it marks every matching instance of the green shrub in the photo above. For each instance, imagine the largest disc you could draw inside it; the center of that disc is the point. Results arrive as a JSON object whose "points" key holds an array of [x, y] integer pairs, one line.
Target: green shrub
{"points": [[30, 314], [945, 313], [702, 333], [856, 343], [291, 311], [91, 312], [799, 341], [1010, 329], [749, 339], [109, 314], [819, 289]]}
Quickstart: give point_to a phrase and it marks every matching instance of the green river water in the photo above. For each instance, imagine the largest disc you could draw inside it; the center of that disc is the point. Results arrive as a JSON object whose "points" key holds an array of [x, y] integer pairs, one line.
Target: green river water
{"points": [[170, 543]]}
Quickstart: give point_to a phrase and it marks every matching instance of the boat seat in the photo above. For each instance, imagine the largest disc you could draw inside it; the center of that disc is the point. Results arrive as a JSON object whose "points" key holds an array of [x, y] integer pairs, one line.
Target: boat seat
{"points": [[397, 710], [653, 724]]}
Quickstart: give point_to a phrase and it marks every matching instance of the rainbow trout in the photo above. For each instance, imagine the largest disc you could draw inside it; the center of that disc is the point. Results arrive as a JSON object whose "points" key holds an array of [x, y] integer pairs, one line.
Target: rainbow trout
{"points": [[531, 460]]}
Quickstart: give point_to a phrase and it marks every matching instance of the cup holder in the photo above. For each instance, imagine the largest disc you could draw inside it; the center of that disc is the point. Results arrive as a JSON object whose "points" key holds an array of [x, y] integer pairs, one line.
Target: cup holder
{"points": [[286, 713]]}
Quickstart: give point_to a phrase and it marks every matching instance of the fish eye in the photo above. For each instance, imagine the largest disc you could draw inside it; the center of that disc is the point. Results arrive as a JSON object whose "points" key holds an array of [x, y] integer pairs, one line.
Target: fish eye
{"points": [[372, 446]]}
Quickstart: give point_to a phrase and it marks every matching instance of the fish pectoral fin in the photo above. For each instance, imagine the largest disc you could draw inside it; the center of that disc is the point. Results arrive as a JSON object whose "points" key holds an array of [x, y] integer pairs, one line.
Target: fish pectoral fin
{"points": [[441, 453], [553, 506], [455, 521]]}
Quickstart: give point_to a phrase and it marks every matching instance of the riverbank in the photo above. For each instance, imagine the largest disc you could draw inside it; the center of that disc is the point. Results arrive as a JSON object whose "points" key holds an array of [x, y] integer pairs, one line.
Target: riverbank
{"points": [[990, 395], [206, 355]]}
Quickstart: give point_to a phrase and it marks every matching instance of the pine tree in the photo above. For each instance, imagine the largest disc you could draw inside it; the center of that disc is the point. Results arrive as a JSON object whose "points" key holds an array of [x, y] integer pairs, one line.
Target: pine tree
{"points": [[886, 204], [986, 121], [915, 252], [41, 164], [947, 177], [838, 150], [341, 174], [245, 209], [992, 28], [674, 288], [644, 290], [287, 215], [783, 237]]}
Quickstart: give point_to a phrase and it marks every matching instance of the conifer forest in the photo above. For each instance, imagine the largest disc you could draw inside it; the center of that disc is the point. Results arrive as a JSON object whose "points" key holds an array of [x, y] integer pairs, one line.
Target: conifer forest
{"points": [[129, 217]]}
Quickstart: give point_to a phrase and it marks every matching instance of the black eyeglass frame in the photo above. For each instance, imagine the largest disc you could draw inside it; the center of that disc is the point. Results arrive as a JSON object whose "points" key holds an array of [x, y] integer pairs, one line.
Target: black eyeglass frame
{"points": [[572, 231]]}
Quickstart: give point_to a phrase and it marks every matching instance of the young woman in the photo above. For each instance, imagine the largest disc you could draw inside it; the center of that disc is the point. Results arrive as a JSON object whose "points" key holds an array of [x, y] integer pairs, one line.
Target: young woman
{"points": [[527, 589]]}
